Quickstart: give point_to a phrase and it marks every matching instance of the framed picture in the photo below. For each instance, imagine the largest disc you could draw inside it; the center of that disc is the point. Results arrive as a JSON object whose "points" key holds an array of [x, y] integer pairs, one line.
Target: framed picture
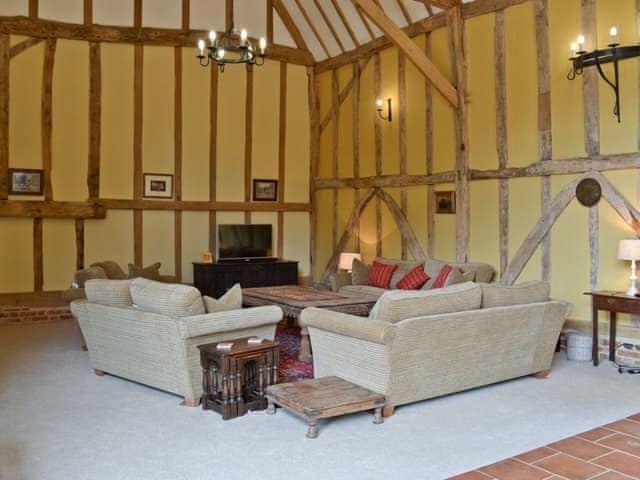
{"points": [[206, 257], [446, 201], [265, 190], [24, 181], [158, 185]]}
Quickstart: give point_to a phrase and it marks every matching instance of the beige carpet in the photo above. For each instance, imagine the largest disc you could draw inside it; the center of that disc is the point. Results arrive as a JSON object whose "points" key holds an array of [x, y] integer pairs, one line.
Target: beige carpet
{"points": [[60, 421]]}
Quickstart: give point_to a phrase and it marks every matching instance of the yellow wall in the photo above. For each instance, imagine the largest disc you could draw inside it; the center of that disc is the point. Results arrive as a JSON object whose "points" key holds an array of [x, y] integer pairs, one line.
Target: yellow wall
{"points": [[570, 240], [112, 237]]}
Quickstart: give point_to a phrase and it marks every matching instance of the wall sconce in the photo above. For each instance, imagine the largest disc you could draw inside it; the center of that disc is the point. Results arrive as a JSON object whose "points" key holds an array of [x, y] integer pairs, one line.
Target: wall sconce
{"points": [[380, 108], [581, 59]]}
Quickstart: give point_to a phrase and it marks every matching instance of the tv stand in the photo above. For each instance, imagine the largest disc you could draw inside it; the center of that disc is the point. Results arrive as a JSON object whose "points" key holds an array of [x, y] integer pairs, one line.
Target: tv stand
{"points": [[214, 279], [248, 260]]}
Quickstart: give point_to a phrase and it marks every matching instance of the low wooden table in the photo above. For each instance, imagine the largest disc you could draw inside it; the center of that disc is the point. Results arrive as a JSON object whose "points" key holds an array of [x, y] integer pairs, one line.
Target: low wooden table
{"points": [[324, 397], [292, 299], [234, 381]]}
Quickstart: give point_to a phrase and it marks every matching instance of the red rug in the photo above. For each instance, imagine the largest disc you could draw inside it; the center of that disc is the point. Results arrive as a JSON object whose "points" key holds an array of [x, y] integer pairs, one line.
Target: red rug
{"points": [[291, 369]]}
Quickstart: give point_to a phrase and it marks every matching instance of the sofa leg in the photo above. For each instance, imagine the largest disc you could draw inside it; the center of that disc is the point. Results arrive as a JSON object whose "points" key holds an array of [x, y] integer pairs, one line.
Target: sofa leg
{"points": [[543, 374], [84, 347], [388, 411], [190, 402], [100, 373]]}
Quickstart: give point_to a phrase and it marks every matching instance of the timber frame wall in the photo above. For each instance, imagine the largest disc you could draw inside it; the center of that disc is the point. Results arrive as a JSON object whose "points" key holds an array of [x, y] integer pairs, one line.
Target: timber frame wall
{"points": [[39, 30], [369, 188]]}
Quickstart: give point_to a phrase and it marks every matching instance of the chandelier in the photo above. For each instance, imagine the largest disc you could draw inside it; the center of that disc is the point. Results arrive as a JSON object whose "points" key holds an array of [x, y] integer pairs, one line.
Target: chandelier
{"points": [[231, 47]]}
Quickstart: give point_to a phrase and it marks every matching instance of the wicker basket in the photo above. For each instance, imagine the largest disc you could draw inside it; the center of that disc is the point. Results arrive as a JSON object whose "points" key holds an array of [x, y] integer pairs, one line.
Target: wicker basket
{"points": [[579, 345]]}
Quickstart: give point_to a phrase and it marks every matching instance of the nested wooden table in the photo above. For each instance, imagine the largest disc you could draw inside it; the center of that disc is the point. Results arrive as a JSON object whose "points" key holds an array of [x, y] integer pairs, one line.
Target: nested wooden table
{"points": [[324, 397], [234, 381]]}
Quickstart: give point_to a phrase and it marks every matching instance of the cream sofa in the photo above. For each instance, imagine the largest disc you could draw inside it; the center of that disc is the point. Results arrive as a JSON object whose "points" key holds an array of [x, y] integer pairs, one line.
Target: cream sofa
{"points": [[355, 283], [420, 345], [155, 342]]}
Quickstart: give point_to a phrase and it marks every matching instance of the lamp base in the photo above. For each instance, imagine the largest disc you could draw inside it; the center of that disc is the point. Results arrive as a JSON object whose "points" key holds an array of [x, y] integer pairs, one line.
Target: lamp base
{"points": [[632, 292]]}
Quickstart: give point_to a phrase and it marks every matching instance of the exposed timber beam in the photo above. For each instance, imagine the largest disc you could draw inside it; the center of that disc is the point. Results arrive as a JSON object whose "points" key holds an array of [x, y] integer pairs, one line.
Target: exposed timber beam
{"points": [[50, 209], [402, 40], [198, 206], [24, 45], [168, 37], [290, 24]]}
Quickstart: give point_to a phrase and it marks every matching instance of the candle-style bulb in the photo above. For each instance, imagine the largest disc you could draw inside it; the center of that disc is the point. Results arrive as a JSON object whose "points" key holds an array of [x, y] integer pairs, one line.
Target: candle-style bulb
{"points": [[614, 35], [201, 47], [221, 53], [243, 36], [574, 49], [379, 103], [580, 42], [263, 45], [212, 36]]}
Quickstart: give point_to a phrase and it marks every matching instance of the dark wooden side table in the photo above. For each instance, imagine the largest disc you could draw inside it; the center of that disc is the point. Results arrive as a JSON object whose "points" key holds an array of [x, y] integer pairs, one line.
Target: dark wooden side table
{"points": [[613, 302], [235, 380]]}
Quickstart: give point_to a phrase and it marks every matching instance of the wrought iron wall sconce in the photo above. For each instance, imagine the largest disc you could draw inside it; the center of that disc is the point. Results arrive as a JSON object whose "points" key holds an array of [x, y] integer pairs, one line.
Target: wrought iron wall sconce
{"points": [[380, 108], [581, 60]]}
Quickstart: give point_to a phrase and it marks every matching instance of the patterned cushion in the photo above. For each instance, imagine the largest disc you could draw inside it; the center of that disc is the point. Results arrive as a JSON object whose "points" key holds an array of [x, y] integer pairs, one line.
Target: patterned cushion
{"points": [[151, 272], [404, 267], [443, 275], [495, 295], [414, 279], [231, 300], [481, 272], [112, 269], [89, 274], [167, 298], [380, 275], [359, 272], [108, 292], [397, 305]]}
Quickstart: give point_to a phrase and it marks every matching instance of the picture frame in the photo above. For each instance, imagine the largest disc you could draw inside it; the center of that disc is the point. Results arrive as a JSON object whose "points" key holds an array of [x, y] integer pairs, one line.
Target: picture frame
{"points": [[265, 190], [26, 181], [445, 201], [158, 185], [206, 257]]}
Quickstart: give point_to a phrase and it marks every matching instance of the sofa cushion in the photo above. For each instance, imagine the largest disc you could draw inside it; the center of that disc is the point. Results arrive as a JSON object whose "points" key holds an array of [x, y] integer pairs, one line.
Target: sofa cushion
{"points": [[380, 275], [362, 291], [167, 298], [89, 274], [151, 272], [112, 269], [443, 275], [495, 295], [359, 272], [481, 272], [413, 280], [108, 292], [404, 267], [231, 300], [396, 305]]}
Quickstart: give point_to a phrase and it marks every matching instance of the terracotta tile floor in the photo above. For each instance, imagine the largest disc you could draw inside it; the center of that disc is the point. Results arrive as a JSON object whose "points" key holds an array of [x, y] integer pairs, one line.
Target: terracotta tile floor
{"points": [[611, 452]]}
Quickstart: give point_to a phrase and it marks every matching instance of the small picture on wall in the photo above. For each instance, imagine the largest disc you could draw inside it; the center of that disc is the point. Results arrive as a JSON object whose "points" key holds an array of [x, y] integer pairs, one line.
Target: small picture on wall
{"points": [[446, 202], [158, 185], [265, 190], [23, 181]]}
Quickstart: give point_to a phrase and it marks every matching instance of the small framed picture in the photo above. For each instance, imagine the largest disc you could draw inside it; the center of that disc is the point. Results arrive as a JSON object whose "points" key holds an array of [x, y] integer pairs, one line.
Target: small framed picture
{"points": [[25, 181], [446, 201], [206, 257], [158, 185], [265, 190]]}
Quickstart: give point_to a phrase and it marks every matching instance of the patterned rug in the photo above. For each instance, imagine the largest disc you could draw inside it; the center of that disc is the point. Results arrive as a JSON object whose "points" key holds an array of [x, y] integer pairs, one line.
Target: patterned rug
{"points": [[294, 292], [291, 369]]}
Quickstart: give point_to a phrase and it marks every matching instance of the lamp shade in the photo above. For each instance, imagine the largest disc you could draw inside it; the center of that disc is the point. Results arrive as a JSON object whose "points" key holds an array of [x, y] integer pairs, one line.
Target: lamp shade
{"points": [[629, 249], [346, 260]]}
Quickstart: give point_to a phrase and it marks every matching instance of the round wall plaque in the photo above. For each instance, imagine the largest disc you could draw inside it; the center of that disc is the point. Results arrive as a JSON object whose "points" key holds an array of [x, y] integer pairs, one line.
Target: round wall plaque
{"points": [[588, 192]]}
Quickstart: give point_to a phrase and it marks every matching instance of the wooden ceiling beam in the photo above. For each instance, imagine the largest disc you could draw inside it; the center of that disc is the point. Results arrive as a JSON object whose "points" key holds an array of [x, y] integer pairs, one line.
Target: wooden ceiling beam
{"points": [[312, 25], [290, 24], [365, 22], [345, 22], [411, 50], [443, 4], [326, 19], [405, 11]]}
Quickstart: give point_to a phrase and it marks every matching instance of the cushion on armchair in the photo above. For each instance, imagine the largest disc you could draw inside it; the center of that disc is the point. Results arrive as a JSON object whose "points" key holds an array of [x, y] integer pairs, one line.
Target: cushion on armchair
{"points": [[112, 269], [151, 272], [231, 300], [90, 273], [380, 275], [109, 292], [495, 295], [167, 298]]}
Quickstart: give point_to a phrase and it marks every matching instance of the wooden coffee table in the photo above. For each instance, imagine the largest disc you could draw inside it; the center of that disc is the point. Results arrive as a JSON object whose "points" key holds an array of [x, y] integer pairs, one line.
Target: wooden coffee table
{"points": [[324, 397], [292, 299]]}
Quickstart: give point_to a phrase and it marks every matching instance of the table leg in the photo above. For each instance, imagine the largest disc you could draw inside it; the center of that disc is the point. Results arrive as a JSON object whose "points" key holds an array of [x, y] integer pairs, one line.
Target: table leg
{"points": [[594, 319], [271, 407], [377, 416], [305, 345], [313, 430], [612, 336]]}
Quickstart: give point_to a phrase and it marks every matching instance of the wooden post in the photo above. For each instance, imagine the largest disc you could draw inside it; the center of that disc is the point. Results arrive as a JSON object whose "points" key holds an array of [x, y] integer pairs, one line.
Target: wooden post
{"points": [[4, 115], [79, 222], [88, 12], [95, 120], [248, 143], [356, 143], [33, 8], [282, 144], [269, 22], [457, 49], [402, 133], [377, 79], [501, 137], [213, 155], [431, 207], [47, 115], [177, 167], [335, 115], [314, 124], [228, 14], [137, 147], [37, 255]]}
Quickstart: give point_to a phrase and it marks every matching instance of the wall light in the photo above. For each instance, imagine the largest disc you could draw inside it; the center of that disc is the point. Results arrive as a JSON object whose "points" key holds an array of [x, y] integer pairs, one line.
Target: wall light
{"points": [[380, 109]]}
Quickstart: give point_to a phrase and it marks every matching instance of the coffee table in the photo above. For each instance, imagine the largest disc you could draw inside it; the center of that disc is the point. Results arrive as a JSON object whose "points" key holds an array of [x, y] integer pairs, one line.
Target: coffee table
{"points": [[292, 299], [323, 397]]}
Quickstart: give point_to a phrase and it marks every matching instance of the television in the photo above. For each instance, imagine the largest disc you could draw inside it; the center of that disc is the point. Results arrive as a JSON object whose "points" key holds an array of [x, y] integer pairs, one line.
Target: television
{"points": [[244, 242]]}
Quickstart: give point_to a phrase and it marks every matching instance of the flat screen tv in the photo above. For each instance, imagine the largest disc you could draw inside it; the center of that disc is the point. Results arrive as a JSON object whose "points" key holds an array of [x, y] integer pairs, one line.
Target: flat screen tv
{"points": [[236, 242]]}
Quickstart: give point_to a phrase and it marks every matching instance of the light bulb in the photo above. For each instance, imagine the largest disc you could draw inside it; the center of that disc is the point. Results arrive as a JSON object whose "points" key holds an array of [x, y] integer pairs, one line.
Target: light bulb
{"points": [[580, 42], [221, 53], [263, 45], [614, 34], [243, 36], [212, 36], [201, 47], [379, 103], [574, 49]]}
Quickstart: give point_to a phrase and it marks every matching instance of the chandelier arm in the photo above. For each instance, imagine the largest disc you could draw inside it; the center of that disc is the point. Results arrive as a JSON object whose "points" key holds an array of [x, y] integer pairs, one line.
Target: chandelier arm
{"points": [[614, 86]]}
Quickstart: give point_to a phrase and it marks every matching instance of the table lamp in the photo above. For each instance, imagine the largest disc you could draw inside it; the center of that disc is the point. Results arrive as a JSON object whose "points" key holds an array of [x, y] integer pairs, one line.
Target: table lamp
{"points": [[346, 260], [630, 250]]}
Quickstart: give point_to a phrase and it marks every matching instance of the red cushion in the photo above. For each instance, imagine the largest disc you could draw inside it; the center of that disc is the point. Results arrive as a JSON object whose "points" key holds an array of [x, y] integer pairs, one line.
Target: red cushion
{"points": [[413, 280], [441, 279], [380, 274]]}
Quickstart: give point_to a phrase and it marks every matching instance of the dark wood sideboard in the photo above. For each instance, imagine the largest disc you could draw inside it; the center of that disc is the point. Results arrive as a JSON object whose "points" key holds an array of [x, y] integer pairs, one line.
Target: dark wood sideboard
{"points": [[214, 279]]}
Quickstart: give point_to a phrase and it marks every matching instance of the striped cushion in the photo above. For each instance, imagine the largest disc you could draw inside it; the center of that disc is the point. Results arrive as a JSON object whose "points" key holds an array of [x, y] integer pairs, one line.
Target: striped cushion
{"points": [[441, 279], [494, 295], [380, 275], [404, 267], [231, 300], [108, 292], [414, 279], [167, 298]]}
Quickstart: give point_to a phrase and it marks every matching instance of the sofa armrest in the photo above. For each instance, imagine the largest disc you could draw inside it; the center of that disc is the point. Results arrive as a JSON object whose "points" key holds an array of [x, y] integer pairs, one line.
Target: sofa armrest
{"points": [[228, 320], [377, 331], [339, 280]]}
